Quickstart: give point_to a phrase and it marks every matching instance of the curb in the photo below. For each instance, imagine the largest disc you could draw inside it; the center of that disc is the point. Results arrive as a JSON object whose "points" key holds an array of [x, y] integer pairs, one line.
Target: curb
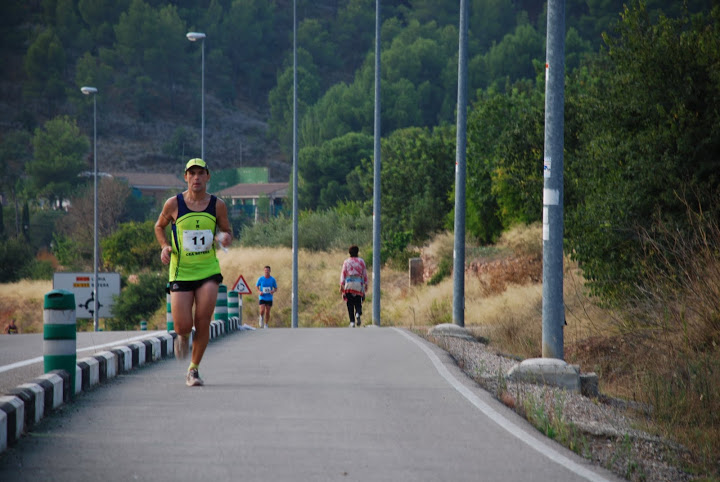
{"points": [[25, 405]]}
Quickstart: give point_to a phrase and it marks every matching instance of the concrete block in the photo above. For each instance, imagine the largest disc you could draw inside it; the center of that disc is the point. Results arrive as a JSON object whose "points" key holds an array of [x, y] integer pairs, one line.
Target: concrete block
{"points": [[125, 357], [450, 329], [3, 432], [14, 408], [37, 408], [90, 371], [546, 371], [589, 384], [110, 367]]}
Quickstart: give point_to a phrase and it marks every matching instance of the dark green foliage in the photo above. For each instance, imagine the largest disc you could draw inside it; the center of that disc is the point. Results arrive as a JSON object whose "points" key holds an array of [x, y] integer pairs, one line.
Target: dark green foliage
{"points": [[38, 270], [15, 255], [649, 142], [504, 158], [26, 222], [395, 250], [44, 65], [180, 144], [418, 166], [132, 247], [324, 170], [137, 302], [58, 149], [444, 269], [67, 253], [43, 224], [317, 231]]}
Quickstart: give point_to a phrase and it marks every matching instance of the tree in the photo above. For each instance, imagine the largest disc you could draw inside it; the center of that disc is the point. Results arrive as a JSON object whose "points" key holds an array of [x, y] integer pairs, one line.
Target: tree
{"points": [[418, 166], [132, 247], [650, 134], [151, 44], [58, 148], [281, 98], [15, 151], [15, 254], [505, 145], [100, 16], [249, 34], [44, 65], [79, 222], [323, 179]]}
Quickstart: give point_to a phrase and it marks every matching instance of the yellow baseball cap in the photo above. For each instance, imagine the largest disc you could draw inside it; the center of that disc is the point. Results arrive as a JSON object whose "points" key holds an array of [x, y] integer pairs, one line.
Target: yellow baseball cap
{"points": [[196, 162]]}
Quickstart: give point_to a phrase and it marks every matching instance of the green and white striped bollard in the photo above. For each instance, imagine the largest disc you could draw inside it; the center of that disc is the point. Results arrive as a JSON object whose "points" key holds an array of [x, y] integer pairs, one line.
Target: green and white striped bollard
{"points": [[233, 307], [60, 333], [221, 306]]}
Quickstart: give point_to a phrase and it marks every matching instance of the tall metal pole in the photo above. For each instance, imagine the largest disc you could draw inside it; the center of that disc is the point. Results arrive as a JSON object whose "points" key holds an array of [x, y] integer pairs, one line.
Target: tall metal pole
{"points": [[553, 307], [376, 179], [93, 91], [193, 37], [96, 251], [460, 170], [202, 108], [295, 179]]}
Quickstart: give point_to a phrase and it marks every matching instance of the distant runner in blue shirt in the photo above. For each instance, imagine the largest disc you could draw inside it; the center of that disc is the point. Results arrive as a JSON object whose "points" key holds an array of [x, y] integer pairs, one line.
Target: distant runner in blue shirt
{"points": [[266, 286]]}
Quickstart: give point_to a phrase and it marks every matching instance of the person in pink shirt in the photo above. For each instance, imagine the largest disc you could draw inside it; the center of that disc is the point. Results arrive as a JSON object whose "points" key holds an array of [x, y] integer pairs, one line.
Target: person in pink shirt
{"points": [[353, 282]]}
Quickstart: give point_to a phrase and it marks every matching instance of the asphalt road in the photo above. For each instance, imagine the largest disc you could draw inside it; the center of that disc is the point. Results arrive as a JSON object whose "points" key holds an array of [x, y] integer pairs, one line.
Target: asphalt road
{"points": [[21, 356], [370, 404]]}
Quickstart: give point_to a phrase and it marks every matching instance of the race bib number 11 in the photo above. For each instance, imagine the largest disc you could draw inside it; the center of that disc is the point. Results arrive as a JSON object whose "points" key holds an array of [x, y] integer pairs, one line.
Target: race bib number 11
{"points": [[195, 241]]}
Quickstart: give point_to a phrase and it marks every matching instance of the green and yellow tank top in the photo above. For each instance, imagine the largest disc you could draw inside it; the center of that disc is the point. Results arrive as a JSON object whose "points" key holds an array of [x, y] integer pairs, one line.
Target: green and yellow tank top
{"points": [[193, 250]]}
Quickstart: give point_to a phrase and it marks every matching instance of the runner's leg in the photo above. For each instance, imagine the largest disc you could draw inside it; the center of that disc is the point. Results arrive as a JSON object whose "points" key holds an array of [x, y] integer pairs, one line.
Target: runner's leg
{"points": [[205, 299], [181, 306]]}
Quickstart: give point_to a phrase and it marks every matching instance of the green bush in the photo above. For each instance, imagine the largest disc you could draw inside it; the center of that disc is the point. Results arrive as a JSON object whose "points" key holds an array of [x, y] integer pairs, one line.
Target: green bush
{"points": [[132, 247], [138, 301], [444, 269], [67, 253], [317, 231], [15, 254], [38, 270]]}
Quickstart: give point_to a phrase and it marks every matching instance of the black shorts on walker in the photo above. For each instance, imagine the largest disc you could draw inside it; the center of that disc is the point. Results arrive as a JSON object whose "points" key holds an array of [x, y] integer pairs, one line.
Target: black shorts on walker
{"points": [[266, 302]]}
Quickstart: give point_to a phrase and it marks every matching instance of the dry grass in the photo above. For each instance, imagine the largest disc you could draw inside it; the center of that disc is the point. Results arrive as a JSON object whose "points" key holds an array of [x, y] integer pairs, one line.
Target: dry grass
{"points": [[319, 300], [24, 302]]}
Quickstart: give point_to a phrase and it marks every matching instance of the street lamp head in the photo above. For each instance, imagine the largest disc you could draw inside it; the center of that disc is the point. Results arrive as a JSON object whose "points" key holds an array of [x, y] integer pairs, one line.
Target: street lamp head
{"points": [[88, 90], [193, 36]]}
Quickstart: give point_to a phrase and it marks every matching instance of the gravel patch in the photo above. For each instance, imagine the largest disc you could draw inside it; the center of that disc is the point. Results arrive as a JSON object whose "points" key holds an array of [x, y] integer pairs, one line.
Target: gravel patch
{"points": [[601, 429]]}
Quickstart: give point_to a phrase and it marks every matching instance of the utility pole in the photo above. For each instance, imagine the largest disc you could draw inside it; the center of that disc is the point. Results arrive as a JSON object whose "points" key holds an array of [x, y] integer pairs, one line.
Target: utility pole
{"points": [[460, 170], [553, 306]]}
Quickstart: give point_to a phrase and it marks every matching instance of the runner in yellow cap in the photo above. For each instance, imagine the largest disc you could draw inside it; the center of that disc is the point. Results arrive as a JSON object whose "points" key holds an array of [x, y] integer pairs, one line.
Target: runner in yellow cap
{"points": [[198, 219]]}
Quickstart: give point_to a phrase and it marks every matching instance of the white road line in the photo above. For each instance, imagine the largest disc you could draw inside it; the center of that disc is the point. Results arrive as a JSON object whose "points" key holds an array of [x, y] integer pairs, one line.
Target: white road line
{"points": [[498, 418], [12, 366]]}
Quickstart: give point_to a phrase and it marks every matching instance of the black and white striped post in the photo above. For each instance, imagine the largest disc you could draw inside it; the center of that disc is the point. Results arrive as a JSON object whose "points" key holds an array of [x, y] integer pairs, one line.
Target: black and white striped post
{"points": [[59, 333]]}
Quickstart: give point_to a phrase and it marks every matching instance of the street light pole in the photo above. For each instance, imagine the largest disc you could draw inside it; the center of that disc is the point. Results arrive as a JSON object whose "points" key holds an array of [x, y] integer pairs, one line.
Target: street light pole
{"points": [[193, 36], [93, 91]]}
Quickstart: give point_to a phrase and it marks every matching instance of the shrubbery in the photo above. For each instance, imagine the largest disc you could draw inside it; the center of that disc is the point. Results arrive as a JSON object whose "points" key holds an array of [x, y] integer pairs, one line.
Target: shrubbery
{"points": [[317, 231], [137, 302], [15, 254]]}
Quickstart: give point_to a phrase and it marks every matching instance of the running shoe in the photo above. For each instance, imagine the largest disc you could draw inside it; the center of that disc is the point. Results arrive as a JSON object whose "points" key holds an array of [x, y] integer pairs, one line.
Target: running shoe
{"points": [[193, 378], [352, 325], [358, 322], [182, 347]]}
